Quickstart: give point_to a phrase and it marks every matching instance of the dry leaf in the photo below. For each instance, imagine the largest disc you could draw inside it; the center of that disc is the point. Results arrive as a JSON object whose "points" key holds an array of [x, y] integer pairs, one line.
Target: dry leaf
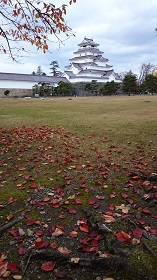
{"points": [[104, 255], [136, 241], [30, 232], [17, 277], [108, 278], [3, 269], [21, 232], [108, 219], [9, 217], [6, 274], [57, 232], [64, 250], [75, 260], [125, 209]]}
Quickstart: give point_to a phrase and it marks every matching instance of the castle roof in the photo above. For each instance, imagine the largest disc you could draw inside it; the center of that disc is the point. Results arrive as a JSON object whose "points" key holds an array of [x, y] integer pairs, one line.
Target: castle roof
{"points": [[30, 78], [89, 63], [88, 41], [92, 50]]}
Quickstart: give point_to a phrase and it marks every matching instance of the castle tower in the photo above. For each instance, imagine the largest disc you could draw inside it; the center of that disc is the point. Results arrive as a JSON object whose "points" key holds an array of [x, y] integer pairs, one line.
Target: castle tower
{"points": [[88, 64]]}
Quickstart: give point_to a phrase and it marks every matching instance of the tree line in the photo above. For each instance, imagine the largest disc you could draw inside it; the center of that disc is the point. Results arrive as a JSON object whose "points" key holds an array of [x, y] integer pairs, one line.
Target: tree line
{"points": [[130, 84]]}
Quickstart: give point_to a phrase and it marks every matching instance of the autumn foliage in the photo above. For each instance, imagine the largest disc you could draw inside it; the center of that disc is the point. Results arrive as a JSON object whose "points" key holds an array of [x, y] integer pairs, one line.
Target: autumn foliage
{"points": [[30, 21], [92, 204]]}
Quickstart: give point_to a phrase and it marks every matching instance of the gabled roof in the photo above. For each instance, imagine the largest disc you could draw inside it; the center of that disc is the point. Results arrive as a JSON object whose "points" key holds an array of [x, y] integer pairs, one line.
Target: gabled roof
{"points": [[100, 58], [92, 50], [82, 56], [108, 66], [88, 41], [30, 78], [70, 74], [94, 71]]}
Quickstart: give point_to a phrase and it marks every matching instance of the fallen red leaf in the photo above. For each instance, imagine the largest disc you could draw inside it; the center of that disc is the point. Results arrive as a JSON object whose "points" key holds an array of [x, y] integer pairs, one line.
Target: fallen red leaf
{"points": [[78, 201], [14, 233], [39, 233], [91, 201], [48, 266], [84, 227], [72, 211], [153, 231], [141, 222], [137, 233], [22, 251], [123, 237], [33, 186], [10, 199], [13, 267], [95, 243], [54, 245], [146, 211], [73, 233], [30, 222], [41, 244], [124, 195]]}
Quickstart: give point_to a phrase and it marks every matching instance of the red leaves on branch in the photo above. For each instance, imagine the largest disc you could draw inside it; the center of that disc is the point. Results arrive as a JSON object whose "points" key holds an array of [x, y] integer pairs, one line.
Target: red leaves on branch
{"points": [[72, 1], [28, 22]]}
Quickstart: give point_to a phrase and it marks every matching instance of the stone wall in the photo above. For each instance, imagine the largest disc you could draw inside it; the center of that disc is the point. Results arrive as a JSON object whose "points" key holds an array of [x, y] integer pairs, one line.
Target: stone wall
{"points": [[14, 92], [80, 89]]}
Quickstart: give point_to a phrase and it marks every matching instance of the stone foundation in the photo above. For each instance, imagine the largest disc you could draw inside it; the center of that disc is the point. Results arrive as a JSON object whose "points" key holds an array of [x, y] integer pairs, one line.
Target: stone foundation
{"points": [[14, 92]]}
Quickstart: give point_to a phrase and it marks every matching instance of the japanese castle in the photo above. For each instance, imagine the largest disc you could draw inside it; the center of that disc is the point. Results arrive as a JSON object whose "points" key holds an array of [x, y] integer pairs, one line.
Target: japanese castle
{"points": [[88, 64]]}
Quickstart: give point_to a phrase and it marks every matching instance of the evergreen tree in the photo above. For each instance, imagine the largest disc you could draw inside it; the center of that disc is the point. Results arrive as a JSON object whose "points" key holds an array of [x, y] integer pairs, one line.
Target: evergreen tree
{"points": [[130, 83], [39, 71], [150, 84], [65, 89], [93, 86], [54, 69], [109, 88]]}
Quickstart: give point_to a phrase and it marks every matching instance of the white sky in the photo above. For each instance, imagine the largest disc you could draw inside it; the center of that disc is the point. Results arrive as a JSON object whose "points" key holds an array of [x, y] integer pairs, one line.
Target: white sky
{"points": [[125, 30]]}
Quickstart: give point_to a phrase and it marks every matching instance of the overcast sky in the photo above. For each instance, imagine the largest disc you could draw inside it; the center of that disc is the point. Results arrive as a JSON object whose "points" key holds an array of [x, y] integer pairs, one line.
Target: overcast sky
{"points": [[124, 30]]}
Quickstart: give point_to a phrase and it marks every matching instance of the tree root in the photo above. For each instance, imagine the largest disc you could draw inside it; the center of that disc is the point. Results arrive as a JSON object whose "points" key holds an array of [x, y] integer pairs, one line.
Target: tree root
{"points": [[114, 263], [10, 224]]}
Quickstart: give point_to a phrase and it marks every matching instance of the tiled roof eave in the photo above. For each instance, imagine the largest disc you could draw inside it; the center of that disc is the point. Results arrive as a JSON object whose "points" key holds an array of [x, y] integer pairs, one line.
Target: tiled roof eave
{"points": [[29, 78]]}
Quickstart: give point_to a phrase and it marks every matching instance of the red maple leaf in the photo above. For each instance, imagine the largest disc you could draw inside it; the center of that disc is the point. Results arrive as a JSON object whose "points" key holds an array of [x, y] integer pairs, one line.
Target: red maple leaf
{"points": [[123, 237], [137, 233], [48, 266]]}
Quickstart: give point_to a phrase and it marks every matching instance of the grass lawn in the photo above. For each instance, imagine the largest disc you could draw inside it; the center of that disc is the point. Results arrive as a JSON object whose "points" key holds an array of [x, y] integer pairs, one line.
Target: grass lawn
{"points": [[78, 181]]}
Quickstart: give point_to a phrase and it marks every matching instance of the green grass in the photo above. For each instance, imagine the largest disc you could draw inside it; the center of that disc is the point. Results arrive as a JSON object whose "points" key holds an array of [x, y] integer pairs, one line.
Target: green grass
{"points": [[122, 118]]}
